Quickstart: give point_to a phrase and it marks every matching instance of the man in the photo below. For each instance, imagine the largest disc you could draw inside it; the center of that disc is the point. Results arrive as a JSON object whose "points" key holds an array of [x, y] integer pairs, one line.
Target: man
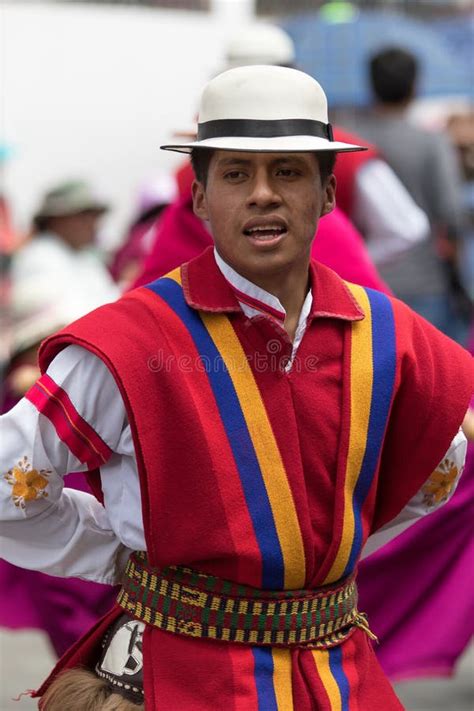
{"points": [[61, 256], [274, 416], [426, 164]]}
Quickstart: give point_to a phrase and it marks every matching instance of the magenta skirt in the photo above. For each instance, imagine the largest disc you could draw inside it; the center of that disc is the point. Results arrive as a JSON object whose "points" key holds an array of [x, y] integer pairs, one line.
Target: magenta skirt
{"points": [[64, 608], [419, 590]]}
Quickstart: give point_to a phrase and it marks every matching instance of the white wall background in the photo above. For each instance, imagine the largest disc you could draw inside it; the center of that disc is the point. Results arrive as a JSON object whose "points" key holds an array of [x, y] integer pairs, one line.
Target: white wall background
{"points": [[91, 91]]}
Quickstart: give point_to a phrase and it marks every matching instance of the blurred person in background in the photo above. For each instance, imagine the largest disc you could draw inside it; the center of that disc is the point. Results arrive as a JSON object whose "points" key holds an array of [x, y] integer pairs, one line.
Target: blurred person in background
{"points": [[53, 280], [426, 276], [154, 196], [460, 127], [369, 194], [55, 277], [10, 240], [63, 248]]}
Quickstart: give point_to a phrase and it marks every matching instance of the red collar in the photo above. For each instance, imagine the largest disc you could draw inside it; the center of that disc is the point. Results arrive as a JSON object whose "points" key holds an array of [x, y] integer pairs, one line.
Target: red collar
{"points": [[206, 289]]}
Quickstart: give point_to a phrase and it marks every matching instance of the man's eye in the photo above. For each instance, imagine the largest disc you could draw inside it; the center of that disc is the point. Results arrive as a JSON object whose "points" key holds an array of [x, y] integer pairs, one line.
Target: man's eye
{"points": [[234, 175], [287, 172]]}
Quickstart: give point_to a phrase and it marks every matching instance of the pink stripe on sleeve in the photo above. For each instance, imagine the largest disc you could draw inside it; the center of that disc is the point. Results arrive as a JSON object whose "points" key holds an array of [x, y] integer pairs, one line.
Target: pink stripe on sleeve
{"points": [[54, 403]]}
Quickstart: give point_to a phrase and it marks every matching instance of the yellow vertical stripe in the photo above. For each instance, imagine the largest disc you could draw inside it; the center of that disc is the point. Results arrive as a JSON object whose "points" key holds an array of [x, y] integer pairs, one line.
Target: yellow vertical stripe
{"points": [[321, 659], [361, 377], [266, 448], [282, 679], [263, 440]]}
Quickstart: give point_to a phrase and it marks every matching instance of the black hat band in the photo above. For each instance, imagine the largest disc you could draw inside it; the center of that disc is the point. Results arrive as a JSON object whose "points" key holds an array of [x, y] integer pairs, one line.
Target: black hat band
{"points": [[257, 128]]}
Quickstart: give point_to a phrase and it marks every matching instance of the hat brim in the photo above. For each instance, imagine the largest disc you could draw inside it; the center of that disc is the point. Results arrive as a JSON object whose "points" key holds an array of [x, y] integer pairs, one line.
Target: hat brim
{"points": [[99, 208], [278, 144]]}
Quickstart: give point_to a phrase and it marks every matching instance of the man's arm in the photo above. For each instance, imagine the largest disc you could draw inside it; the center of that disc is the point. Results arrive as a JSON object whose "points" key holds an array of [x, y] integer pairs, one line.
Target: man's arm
{"points": [[435, 492], [73, 419], [435, 386]]}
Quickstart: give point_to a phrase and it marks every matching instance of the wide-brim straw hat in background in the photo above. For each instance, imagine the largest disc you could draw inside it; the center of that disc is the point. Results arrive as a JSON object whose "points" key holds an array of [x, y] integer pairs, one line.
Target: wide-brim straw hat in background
{"points": [[70, 198]]}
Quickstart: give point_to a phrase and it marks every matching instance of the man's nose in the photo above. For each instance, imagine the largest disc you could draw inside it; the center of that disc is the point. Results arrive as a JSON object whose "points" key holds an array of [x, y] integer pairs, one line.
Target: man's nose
{"points": [[263, 193]]}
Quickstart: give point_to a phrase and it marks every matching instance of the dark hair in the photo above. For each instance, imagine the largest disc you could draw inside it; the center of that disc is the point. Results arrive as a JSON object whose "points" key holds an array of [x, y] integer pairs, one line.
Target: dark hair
{"points": [[201, 158], [327, 163], [393, 73]]}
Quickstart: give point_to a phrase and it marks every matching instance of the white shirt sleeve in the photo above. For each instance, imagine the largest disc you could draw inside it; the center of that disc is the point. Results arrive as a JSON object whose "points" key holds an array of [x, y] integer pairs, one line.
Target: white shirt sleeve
{"points": [[61, 531], [385, 213], [434, 493]]}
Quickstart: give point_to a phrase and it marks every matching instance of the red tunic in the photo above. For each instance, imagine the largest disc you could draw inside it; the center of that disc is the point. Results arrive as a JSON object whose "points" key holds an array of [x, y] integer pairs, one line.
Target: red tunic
{"points": [[269, 478]]}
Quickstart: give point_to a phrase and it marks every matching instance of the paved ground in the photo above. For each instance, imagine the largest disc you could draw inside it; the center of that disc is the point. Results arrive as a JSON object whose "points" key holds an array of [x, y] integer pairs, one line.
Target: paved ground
{"points": [[25, 659]]}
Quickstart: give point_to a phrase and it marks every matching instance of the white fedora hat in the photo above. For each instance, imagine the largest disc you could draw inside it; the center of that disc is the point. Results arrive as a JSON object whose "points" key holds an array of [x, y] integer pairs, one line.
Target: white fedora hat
{"points": [[264, 108]]}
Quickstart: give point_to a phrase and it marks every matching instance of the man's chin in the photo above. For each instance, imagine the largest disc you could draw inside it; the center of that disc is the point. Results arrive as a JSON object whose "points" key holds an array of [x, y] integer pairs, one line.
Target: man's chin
{"points": [[260, 263]]}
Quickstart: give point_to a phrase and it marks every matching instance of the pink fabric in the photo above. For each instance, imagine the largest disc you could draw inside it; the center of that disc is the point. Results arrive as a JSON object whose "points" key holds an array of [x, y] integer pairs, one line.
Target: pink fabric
{"points": [[135, 247], [340, 246], [132, 250], [427, 618], [426, 582], [62, 608], [180, 236]]}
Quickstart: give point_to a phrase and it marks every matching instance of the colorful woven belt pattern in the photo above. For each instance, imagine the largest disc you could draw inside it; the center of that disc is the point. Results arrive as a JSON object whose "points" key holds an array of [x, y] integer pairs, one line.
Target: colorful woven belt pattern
{"points": [[183, 601]]}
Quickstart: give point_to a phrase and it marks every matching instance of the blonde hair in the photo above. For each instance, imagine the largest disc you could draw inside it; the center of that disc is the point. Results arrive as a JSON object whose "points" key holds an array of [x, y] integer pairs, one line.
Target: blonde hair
{"points": [[81, 690]]}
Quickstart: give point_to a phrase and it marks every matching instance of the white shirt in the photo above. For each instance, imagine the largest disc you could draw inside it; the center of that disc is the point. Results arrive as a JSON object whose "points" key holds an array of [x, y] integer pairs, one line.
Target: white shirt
{"points": [[385, 213], [52, 285], [68, 533]]}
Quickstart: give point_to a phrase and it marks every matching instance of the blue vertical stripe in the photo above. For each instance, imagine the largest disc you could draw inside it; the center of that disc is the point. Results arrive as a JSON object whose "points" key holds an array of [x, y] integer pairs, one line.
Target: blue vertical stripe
{"points": [[264, 678], [237, 433], [384, 368], [335, 665]]}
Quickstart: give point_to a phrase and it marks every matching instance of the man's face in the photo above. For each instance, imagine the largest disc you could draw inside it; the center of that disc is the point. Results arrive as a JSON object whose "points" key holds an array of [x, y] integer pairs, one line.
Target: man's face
{"points": [[78, 230], [263, 208]]}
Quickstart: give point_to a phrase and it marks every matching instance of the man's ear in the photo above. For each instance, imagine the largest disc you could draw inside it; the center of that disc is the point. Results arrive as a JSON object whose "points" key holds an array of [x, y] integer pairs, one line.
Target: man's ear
{"points": [[329, 194], [199, 200]]}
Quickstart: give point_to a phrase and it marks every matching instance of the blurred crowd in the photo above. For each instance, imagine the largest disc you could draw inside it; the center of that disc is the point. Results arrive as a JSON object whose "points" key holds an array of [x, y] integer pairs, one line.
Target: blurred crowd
{"points": [[410, 198], [405, 209]]}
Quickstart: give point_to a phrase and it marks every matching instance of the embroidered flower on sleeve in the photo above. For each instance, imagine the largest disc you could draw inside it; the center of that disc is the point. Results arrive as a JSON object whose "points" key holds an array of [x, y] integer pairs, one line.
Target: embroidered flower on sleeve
{"points": [[27, 484], [440, 484]]}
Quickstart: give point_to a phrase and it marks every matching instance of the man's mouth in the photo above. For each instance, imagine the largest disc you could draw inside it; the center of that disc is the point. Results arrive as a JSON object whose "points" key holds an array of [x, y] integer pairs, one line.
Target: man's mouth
{"points": [[265, 231]]}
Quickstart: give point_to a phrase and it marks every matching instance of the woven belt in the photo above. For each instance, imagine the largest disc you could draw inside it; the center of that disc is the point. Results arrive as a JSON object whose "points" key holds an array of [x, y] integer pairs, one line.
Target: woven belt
{"points": [[183, 601]]}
